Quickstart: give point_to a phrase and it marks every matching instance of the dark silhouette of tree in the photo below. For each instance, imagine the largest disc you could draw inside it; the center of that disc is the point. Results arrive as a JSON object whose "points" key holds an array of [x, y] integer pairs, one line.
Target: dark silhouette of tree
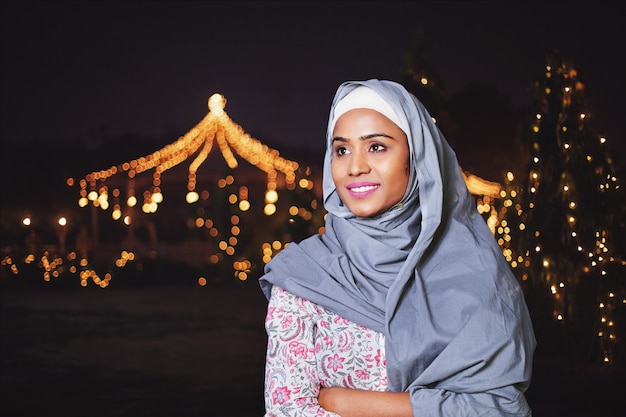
{"points": [[479, 122], [419, 77], [487, 142]]}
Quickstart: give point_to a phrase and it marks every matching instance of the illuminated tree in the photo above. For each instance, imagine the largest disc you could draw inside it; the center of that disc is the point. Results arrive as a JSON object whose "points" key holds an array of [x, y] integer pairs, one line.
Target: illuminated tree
{"points": [[573, 220]]}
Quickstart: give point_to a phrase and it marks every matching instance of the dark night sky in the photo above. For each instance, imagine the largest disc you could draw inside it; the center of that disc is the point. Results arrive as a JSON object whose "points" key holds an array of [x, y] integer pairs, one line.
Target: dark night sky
{"points": [[149, 67]]}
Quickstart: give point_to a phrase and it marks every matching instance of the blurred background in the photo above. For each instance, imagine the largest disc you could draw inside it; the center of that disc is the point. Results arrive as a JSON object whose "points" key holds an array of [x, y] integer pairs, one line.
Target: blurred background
{"points": [[156, 155]]}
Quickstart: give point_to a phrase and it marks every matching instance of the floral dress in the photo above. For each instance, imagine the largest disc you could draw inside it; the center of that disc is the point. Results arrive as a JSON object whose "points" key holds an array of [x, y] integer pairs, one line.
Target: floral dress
{"points": [[310, 347]]}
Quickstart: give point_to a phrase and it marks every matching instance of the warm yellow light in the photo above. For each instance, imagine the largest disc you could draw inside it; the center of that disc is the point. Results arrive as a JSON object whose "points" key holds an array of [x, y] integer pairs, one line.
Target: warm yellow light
{"points": [[157, 197], [479, 186], [269, 209], [244, 205], [217, 102], [271, 196], [192, 197]]}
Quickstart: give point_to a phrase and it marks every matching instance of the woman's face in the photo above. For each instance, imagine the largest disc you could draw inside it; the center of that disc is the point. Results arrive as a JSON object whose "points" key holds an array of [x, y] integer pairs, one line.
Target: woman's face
{"points": [[370, 162]]}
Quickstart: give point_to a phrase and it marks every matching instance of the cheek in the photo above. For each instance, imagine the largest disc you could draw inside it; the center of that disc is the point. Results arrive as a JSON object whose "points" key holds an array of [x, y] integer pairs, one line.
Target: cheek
{"points": [[402, 180], [400, 174]]}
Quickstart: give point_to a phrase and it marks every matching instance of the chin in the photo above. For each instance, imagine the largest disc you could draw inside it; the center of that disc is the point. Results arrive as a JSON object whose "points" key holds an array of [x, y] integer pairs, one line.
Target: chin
{"points": [[365, 213]]}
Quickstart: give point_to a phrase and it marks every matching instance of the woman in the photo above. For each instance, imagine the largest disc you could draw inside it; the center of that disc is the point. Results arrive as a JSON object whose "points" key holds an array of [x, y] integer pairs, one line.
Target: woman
{"points": [[405, 305]]}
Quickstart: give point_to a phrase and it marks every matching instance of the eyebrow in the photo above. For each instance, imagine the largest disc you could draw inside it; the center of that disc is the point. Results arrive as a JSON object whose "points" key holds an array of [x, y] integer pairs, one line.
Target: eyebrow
{"points": [[369, 136]]}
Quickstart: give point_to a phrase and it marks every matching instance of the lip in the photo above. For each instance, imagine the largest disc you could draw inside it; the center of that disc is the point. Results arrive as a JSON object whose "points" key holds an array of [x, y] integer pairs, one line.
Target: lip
{"points": [[362, 189]]}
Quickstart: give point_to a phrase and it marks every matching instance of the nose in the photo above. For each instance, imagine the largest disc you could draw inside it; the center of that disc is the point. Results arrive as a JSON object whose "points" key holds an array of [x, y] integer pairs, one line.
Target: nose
{"points": [[359, 164]]}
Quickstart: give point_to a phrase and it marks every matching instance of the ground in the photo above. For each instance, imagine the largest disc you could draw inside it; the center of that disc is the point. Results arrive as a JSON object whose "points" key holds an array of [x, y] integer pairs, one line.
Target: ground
{"points": [[182, 351]]}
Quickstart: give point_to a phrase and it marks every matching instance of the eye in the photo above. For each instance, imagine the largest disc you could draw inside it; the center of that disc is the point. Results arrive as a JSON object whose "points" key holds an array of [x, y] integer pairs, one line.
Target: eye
{"points": [[377, 147], [341, 150]]}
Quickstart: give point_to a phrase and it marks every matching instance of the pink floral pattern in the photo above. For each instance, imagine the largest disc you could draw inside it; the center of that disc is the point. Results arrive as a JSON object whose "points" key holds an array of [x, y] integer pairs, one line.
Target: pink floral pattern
{"points": [[310, 347]]}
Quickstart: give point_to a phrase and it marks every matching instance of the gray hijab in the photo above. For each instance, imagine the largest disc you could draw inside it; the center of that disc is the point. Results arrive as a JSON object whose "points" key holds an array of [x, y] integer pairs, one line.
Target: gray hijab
{"points": [[427, 274]]}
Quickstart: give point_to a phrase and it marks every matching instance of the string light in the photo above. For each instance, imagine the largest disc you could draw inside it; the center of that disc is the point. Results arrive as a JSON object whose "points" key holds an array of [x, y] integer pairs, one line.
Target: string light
{"points": [[216, 128], [199, 141]]}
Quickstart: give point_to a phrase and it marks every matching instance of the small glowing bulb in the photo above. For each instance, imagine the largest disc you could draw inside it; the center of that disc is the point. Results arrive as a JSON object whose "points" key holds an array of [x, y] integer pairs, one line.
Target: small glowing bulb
{"points": [[192, 197]]}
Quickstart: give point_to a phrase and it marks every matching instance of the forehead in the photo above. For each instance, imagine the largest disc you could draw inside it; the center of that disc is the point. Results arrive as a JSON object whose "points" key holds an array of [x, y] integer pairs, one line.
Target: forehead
{"points": [[363, 118]]}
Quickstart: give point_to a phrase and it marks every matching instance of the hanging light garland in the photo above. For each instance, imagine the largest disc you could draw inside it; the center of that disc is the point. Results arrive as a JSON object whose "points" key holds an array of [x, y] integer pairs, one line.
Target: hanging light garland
{"points": [[199, 141]]}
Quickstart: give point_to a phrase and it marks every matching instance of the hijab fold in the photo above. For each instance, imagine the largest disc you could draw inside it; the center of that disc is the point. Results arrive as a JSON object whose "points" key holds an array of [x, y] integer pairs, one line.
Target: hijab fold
{"points": [[427, 273]]}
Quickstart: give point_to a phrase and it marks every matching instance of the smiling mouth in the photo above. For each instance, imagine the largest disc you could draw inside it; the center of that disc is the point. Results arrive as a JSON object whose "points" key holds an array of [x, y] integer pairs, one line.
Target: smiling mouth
{"points": [[363, 189]]}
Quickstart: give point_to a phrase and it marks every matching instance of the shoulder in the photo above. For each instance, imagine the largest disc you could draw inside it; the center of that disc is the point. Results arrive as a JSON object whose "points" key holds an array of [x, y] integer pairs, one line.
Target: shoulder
{"points": [[283, 302], [286, 301]]}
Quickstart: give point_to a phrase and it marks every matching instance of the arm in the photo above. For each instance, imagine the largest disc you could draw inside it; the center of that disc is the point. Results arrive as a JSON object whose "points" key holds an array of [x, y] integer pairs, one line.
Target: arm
{"points": [[360, 403], [291, 380]]}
